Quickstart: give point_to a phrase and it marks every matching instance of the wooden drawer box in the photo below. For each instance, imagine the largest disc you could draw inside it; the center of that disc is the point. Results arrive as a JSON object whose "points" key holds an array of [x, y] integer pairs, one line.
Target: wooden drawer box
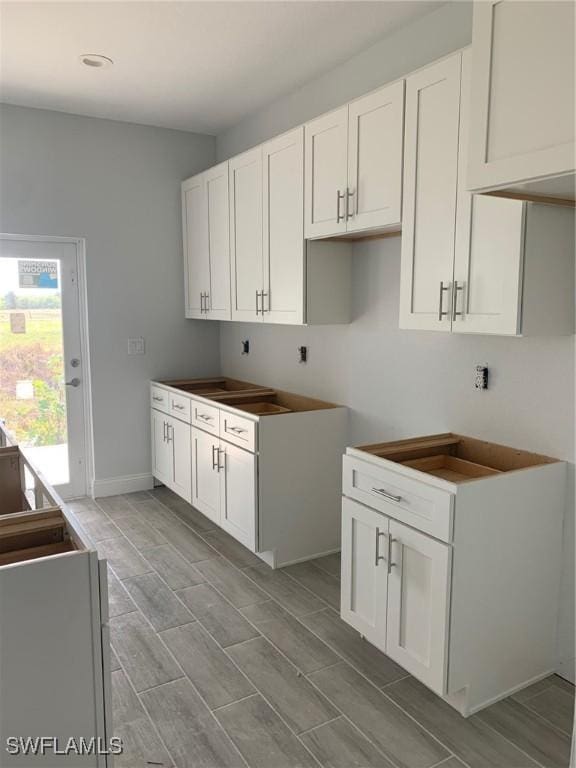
{"points": [[205, 417], [237, 430], [423, 507], [159, 399]]}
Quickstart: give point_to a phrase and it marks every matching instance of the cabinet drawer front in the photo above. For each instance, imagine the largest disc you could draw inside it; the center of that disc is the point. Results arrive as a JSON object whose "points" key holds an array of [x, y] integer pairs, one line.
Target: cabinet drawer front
{"points": [[238, 430], [179, 407], [410, 501], [159, 399], [207, 417]]}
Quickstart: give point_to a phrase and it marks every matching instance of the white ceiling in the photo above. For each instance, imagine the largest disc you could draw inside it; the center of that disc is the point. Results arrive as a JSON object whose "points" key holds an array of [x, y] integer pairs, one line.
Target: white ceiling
{"points": [[197, 66]]}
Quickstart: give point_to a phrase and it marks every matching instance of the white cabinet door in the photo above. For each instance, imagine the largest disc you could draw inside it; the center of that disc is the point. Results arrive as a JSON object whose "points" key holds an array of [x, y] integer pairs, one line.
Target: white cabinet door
{"points": [[488, 266], [283, 222], [326, 174], [418, 605], [523, 90], [375, 141], [238, 506], [217, 211], [429, 197], [195, 241], [181, 464], [205, 477], [161, 464], [245, 175], [364, 571]]}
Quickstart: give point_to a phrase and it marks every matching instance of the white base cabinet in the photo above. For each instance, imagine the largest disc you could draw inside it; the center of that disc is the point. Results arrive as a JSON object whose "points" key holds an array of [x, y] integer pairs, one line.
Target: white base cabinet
{"points": [[267, 471], [523, 87], [451, 551]]}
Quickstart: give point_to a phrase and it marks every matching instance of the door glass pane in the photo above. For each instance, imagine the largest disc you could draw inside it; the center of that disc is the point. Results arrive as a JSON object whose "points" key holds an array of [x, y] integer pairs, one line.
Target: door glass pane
{"points": [[32, 391]]}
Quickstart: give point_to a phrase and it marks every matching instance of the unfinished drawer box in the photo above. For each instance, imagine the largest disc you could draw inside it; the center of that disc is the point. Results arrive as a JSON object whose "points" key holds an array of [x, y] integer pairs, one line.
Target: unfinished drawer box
{"points": [[54, 643], [265, 465], [451, 561]]}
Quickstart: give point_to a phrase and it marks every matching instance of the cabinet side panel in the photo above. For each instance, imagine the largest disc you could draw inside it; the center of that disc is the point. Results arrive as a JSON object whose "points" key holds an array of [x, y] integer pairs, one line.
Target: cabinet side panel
{"points": [[300, 483], [548, 303], [50, 666], [505, 583]]}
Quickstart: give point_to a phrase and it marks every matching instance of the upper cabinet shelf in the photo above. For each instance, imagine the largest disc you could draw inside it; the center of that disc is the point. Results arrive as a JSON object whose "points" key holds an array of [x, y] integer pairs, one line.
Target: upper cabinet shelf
{"points": [[353, 161], [522, 127]]}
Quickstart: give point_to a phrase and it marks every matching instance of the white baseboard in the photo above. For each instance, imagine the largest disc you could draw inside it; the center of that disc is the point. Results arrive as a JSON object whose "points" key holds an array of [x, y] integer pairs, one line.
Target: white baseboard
{"points": [[111, 486]]}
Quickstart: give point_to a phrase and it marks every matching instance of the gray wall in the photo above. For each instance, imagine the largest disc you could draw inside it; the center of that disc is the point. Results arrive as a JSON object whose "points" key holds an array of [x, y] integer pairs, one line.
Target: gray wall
{"points": [[117, 185], [403, 383]]}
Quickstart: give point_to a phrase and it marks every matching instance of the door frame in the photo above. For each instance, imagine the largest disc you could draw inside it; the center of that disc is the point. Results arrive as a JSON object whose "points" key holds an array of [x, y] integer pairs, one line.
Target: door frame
{"points": [[80, 243]]}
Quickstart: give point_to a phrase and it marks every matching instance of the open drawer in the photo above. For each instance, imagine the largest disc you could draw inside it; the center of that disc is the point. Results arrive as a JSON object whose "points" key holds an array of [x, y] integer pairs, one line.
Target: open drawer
{"points": [[32, 535]]}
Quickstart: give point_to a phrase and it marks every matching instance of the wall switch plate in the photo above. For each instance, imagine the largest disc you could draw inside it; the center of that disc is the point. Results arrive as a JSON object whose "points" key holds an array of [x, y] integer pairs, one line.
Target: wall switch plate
{"points": [[245, 347], [136, 346], [481, 379], [303, 354]]}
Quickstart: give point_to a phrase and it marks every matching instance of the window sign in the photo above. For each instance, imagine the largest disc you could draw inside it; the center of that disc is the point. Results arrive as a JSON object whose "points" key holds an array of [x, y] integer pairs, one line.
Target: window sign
{"points": [[38, 274]]}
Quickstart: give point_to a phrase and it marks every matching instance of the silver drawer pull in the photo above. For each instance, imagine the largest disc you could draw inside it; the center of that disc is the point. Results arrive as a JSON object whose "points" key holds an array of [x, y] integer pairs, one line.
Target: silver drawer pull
{"points": [[390, 542], [387, 495], [157, 399], [204, 417], [378, 555], [238, 430], [179, 407]]}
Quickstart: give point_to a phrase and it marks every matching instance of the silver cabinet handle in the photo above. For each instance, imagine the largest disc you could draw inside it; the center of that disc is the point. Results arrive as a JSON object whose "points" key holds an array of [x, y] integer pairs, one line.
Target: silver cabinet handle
{"points": [[238, 430], [203, 416], [218, 452], [257, 307], [201, 303], [390, 542], [443, 288], [386, 494], [206, 302], [169, 437], [262, 294], [157, 399], [349, 209], [178, 406], [457, 288], [339, 216], [214, 460], [164, 434], [378, 555]]}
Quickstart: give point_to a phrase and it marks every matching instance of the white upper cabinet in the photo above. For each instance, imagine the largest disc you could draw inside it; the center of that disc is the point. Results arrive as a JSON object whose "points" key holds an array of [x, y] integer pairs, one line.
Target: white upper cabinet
{"points": [[206, 244], [375, 125], [523, 87], [429, 204], [216, 184], [283, 228], [353, 165], [245, 178], [326, 162], [195, 239]]}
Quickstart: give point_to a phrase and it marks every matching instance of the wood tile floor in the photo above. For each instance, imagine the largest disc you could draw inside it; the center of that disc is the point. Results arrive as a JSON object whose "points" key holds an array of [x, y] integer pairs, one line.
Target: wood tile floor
{"points": [[220, 662]]}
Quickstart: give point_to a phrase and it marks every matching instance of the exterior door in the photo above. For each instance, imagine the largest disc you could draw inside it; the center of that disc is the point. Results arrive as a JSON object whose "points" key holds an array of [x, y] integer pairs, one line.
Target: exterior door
{"points": [[429, 197], [195, 241], [44, 367], [180, 459], [245, 175], [326, 164], [216, 181], [238, 506], [364, 571], [418, 605], [283, 222], [375, 141], [523, 104], [161, 464], [205, 478]]}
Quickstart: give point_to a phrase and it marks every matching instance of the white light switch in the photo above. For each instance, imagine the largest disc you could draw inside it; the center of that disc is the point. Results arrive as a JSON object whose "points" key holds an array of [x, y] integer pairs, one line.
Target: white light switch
{"points": [[136, 346]]}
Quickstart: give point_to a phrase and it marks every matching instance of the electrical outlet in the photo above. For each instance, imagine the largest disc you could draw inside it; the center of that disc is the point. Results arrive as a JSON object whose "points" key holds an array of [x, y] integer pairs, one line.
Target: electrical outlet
{"points": [[136, 346], [303, 354], [245, 347], [481, 379]]}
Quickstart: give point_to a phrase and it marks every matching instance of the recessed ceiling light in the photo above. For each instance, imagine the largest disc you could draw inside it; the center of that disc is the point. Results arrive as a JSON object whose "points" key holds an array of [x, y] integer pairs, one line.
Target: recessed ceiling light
{"points": [[95, 60]]}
